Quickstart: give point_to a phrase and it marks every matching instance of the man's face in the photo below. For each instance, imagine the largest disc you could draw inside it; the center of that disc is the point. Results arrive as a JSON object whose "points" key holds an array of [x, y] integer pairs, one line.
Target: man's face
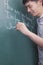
{"points": [[32, 7]]}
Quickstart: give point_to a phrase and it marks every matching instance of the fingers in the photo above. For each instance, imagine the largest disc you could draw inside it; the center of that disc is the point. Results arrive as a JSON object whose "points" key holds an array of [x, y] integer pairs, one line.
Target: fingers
{"points": [[21, 27], [18, 25]]}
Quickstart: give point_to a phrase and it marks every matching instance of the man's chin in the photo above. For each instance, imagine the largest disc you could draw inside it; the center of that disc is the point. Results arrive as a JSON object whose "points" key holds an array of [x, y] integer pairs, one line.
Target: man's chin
{"points": [[34, 14]]}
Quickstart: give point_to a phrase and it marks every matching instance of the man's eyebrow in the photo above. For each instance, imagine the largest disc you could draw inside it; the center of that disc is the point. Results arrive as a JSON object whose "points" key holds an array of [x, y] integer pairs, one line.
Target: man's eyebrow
{"points": [[26, 4]]}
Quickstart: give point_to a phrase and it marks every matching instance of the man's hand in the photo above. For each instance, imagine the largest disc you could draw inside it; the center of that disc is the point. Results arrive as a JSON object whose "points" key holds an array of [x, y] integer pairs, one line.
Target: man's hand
{"points": [[22, 28]]}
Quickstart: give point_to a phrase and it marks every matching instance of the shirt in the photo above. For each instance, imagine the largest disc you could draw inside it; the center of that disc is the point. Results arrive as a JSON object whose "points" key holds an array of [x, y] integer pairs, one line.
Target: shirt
{"points": [[40, 33]]}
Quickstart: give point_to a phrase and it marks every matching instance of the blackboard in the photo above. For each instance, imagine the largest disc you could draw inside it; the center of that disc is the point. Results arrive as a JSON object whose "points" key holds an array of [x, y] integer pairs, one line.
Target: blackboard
{"points": [[16, 48]]}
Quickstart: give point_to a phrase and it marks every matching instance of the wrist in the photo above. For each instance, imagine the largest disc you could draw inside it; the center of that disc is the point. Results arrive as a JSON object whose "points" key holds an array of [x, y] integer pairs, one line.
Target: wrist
{"points": [[28, 33]]}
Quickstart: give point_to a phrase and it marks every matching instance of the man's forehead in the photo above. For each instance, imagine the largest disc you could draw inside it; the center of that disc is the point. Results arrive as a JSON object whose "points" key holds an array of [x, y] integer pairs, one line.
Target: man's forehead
{"points": [[28, 3]]}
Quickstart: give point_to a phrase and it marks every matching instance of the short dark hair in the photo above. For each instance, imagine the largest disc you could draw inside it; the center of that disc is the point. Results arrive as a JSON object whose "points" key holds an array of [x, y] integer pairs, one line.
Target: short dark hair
{"points": [[25, 1]]}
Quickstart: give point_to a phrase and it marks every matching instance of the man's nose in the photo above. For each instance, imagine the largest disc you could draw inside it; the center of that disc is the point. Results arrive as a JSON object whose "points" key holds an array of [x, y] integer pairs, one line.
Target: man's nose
{"points": [[28, 10]]}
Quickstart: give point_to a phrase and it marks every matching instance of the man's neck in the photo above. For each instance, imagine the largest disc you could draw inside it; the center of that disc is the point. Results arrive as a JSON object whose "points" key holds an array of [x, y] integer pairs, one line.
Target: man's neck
{"points": [[41, 12]]}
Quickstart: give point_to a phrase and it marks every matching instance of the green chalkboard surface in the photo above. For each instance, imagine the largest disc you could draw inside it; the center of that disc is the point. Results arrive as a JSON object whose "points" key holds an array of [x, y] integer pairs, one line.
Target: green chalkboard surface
{"points": [[16, 48]]}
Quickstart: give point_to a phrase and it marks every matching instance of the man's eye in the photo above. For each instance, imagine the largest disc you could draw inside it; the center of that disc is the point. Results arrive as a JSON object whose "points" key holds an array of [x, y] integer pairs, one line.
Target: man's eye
{"points": [[29, 6]]}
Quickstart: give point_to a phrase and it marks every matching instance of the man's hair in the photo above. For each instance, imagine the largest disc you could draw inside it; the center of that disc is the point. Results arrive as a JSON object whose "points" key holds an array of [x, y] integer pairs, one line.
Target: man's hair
{"points": [[25, 1]]}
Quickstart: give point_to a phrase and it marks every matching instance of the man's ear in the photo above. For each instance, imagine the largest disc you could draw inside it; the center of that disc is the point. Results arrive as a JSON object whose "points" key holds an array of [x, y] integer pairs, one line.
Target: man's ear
{"points": [[40, 2]]}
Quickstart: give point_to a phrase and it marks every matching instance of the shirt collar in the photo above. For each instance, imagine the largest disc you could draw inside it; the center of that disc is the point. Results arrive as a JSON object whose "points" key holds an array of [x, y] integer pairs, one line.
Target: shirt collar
{"points": [[38, 20], [41, 16]]}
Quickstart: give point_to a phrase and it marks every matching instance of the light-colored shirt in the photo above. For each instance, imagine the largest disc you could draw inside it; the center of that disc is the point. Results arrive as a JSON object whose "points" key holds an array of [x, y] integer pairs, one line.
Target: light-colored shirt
{"points": [[40, 33]]}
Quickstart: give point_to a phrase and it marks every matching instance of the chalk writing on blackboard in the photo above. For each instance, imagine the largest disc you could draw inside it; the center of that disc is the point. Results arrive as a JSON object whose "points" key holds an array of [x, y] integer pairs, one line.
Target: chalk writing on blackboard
{"points": [[15, 16]]}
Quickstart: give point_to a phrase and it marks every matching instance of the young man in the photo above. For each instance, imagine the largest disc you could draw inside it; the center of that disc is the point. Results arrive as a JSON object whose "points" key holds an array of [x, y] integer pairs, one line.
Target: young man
{"points": [[35, 7]]}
